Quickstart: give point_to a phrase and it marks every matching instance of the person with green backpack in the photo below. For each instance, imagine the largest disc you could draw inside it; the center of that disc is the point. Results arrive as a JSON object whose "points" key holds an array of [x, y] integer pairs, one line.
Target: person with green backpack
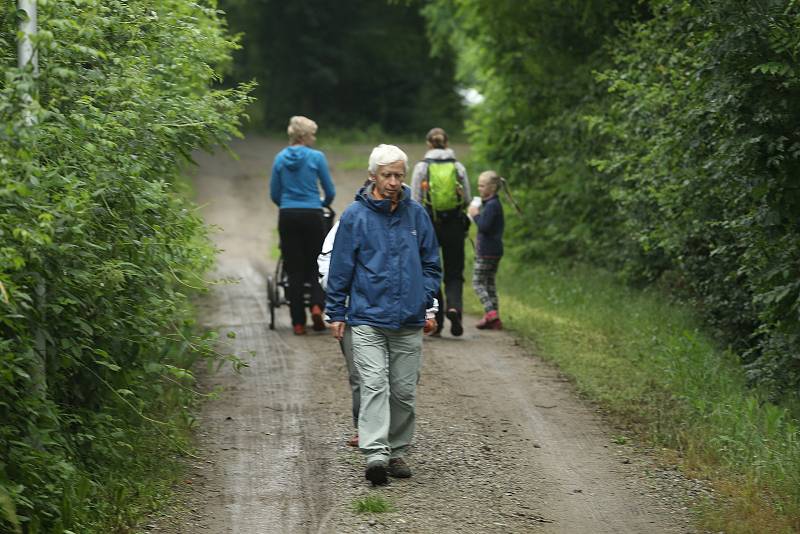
{"points": [[440, 183]]}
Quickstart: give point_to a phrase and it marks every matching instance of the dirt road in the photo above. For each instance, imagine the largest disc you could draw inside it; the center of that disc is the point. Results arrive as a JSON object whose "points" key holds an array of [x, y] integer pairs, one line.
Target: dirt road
{"points": [[503, 443]]}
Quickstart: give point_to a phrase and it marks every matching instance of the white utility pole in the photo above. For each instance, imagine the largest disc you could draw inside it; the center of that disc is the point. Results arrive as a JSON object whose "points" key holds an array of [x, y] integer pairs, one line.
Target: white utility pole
{"points": [[26, 52], [27, 55]]}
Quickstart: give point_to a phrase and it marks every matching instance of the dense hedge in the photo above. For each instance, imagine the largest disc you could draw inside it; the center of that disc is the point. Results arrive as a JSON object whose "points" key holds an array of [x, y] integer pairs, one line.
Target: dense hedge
{"points": [[660, 140], [706, 154], [96, 247]]}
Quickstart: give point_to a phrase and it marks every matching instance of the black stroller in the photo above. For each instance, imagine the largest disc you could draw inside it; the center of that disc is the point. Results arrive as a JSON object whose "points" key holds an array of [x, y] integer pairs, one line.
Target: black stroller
{"points": [[278, 283]]}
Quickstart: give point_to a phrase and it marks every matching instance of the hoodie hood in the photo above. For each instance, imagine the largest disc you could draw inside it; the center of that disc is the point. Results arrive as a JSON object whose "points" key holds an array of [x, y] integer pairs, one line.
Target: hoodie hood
{"points": [[440, 153], [294, 156]]}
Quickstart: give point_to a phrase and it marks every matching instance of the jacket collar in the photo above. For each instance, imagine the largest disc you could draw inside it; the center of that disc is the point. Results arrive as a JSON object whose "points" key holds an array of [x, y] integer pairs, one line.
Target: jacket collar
{"points": [[364, 195]]}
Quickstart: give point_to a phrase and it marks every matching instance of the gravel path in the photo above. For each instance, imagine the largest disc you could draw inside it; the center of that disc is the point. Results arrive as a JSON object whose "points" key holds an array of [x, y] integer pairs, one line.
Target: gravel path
{"points": [[503, 443]]}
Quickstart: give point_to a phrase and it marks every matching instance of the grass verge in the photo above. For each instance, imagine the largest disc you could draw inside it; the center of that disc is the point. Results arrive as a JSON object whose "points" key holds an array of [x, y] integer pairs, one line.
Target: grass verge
{"points": [[646, 360]]}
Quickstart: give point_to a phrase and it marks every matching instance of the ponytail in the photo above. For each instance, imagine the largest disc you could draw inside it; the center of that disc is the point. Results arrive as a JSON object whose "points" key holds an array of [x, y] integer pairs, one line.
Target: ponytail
{"points": [[504, 186]]}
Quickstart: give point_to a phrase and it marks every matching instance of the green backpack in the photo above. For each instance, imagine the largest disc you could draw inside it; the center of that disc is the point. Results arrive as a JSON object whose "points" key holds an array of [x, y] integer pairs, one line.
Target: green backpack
{"points": [[443, 187]]}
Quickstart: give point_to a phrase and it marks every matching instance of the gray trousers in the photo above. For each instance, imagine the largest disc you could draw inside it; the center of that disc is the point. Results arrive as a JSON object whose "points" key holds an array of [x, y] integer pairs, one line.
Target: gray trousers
{"points": [[352, 373], [388, 363]]}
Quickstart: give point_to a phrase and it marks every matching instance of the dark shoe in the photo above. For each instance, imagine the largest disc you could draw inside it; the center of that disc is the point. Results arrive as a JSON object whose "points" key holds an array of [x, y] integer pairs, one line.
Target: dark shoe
{"points": [[353, 442], [299, 330], [456, 328], [376, 473], [316, 318], [497, 324], [398, 468]]}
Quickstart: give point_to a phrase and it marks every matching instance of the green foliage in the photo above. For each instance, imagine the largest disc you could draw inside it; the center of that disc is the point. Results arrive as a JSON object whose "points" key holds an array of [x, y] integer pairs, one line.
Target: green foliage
{"points": [[97, 252], [349, 64], [704, 160], [533, 63], [660, 140]]}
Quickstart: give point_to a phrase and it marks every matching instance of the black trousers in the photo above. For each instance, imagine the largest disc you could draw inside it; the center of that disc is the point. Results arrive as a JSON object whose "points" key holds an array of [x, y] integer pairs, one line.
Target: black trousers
{"points": [[302, 233], [451, 231]]}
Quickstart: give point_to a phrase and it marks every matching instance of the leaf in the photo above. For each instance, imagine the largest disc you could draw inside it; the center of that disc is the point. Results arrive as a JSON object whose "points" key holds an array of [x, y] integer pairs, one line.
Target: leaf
{"points": [[9, 510], [109, 365]]}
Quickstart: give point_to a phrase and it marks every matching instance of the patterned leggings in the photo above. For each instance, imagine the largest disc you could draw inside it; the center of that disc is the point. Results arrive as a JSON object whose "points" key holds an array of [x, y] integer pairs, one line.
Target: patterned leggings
{"points": [[483, 275]]}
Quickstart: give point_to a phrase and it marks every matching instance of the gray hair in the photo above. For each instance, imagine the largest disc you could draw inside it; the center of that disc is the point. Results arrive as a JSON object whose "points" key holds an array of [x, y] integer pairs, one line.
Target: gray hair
{"points": [[300, 127], [385, 155]]}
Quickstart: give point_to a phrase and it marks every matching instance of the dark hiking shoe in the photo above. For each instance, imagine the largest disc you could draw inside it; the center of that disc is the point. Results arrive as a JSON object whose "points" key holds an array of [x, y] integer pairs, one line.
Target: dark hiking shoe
{"points": [[456, 328], [398, 468], [376, 473]]}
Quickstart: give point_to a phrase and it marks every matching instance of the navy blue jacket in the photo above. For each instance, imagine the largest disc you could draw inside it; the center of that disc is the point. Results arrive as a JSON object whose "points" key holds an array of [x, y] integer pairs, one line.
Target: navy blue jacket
{"points": [[384, 268], [490, 223]]}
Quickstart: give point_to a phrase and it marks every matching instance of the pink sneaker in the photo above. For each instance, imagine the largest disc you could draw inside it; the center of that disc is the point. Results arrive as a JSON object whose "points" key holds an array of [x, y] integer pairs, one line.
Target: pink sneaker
{"points": [[490, 321]]}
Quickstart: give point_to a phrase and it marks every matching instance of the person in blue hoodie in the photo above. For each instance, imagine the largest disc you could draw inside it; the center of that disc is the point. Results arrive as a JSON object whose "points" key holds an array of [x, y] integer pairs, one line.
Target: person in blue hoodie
{"points": [[384, 272], [297, 173]]}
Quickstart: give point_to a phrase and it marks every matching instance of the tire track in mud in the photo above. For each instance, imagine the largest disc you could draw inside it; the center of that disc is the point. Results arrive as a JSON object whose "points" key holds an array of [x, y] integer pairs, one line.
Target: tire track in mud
{"points": [[264, 435], [503, 443]]}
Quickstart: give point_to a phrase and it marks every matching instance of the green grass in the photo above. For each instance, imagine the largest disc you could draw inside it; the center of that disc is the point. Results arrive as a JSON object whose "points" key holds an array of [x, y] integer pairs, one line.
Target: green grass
{"points": [[135, 488], [354, 163], [646, 360], [372, 504]]}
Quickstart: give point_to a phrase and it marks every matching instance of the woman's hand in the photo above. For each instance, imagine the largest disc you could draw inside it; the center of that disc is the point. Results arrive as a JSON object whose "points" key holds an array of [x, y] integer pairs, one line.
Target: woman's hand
{"points": [[473, 211]]}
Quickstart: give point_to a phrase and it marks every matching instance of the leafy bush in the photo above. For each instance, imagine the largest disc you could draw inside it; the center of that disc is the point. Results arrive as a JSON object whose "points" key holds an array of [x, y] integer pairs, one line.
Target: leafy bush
{"points": [[97, 251], [533, 62], [706, 153], [658, 139]]}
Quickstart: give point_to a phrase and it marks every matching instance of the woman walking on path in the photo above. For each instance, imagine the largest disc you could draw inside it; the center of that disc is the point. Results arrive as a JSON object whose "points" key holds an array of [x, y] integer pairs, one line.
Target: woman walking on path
{"points": [[440, 183], [488, 216], [297, 172]]}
